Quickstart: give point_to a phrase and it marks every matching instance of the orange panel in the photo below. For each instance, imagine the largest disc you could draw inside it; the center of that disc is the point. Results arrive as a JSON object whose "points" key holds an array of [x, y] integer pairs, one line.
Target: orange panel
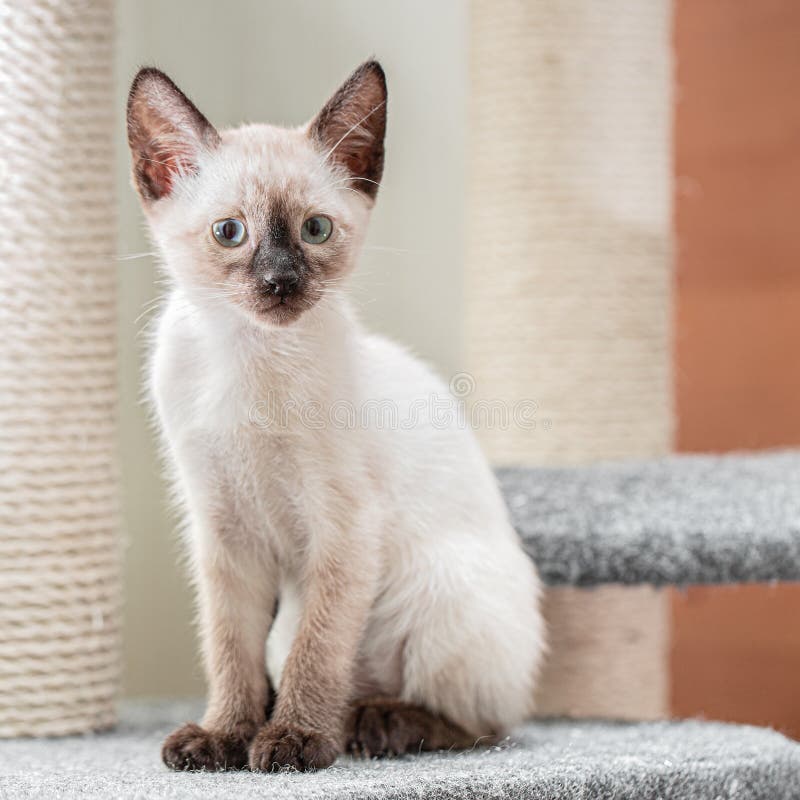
{"points": [[736, 655], [736, 651], [737, 201]]}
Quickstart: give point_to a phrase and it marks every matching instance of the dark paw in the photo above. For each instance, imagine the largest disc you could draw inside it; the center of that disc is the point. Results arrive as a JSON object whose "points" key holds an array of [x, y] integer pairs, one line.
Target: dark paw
{"points": [[278, 747], [387, 727], [385, 730], [194, 748]]}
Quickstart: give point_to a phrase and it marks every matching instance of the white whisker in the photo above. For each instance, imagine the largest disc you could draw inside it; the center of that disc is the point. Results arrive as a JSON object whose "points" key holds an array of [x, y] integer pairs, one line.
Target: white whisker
{"points": [[133, 256], [350, 130]]}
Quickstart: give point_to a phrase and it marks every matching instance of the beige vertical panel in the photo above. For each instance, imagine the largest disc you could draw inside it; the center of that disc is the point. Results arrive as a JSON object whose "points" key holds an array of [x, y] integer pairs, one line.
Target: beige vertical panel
{"points": [[609, 653], [568, 286], [60, 581]]}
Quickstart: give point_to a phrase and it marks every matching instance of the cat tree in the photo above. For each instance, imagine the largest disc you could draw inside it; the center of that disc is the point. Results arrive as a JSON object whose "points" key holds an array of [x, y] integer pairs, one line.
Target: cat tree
{"points": [[60, 580]]}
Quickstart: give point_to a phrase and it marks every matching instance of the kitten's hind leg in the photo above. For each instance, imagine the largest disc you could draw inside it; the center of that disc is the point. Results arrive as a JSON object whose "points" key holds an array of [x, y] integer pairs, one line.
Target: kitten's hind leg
{"points": [[385, 726]]}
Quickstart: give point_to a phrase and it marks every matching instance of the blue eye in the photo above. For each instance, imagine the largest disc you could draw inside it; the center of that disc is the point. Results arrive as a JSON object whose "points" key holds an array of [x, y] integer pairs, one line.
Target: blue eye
{"points": [[229, 232], [316, 230]]}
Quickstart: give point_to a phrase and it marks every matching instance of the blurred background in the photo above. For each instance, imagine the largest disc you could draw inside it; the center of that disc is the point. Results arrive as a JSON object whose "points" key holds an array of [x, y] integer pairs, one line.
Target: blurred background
{"points": [[733, 191]]}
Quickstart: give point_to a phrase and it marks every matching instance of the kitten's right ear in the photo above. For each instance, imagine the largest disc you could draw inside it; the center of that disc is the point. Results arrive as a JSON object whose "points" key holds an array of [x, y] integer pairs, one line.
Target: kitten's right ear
{"points": [[166, 133], [352, 125]]}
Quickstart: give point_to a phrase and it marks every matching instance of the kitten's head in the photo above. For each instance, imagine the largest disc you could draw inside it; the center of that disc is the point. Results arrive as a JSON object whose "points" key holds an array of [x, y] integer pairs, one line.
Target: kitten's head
{"points": [[265, 219]]}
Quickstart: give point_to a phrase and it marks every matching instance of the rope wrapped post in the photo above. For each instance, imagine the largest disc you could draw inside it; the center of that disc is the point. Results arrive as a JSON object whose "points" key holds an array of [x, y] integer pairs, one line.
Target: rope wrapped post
{"points": [[568, 288], [60, 555]]}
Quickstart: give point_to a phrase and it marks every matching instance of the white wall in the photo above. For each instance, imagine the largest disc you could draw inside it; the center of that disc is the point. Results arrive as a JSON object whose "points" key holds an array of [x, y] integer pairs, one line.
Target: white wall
{"points": [[277, 61]]}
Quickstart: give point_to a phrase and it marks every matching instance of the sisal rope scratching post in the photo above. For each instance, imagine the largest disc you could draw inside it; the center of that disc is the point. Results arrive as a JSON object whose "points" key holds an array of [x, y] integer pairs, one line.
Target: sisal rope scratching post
{"points": [[568, 288], [60, 564]]}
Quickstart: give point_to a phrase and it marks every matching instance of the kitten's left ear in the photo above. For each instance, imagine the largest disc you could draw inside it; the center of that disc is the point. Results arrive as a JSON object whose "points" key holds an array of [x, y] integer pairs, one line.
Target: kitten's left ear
{"points": [[166, 133], [352, 125]]}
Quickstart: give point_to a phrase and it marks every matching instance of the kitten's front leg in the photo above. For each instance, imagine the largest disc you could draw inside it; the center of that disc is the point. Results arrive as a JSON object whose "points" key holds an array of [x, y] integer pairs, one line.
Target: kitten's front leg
{"points": [[236, 588], [306, 729]]}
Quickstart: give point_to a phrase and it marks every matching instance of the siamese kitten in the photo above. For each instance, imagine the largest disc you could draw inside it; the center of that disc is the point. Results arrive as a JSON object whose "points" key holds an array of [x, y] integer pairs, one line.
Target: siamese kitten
{"points": [[407, 612]]}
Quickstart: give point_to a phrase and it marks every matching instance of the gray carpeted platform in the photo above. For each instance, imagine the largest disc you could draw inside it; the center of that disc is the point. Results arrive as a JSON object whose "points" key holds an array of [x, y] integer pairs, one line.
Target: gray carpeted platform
{"points": [[679, 520], [545, 760]]}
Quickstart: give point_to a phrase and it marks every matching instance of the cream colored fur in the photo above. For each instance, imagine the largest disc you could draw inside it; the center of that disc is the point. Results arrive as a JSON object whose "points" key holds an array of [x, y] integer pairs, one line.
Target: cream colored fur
{"points": [[388, 546]]}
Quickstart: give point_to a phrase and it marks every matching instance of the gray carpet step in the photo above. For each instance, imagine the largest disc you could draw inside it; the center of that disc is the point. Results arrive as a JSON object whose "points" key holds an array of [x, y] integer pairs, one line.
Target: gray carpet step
{"points": [[547, 760], [678, 520]]}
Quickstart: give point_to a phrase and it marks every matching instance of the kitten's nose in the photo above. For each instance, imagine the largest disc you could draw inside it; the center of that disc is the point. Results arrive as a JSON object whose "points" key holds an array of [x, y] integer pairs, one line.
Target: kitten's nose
{"points": [[281, 285]]}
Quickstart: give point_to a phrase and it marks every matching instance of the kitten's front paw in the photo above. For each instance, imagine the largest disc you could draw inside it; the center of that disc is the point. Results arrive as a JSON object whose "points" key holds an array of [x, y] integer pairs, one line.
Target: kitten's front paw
{"points": [[278, 747], [194, 748]]}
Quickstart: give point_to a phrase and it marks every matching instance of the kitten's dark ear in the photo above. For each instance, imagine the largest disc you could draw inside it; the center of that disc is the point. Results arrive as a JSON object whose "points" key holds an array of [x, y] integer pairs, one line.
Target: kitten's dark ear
{"points": [[352, 125], [166, 133]]}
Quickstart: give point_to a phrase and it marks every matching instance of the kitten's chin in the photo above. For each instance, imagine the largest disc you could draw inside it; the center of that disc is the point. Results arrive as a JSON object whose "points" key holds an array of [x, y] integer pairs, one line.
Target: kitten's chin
{"points": [[278, 313]]}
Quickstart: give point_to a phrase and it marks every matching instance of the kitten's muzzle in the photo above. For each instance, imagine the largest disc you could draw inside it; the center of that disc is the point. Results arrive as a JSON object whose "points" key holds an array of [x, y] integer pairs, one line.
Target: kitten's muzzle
{"points": [[278, 268]]}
